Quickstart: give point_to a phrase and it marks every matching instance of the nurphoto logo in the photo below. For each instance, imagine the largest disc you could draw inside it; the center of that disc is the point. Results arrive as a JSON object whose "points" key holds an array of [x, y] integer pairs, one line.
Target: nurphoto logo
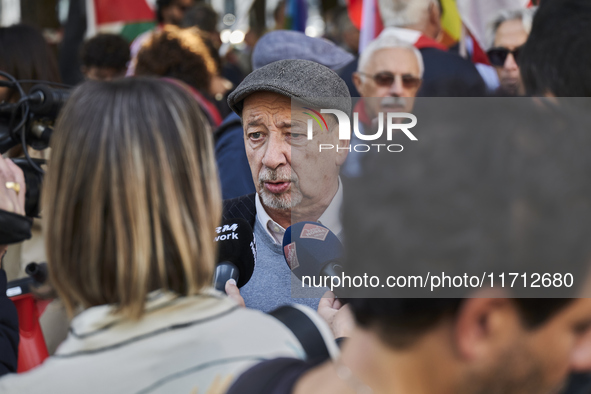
{"points": [[393, 123]]}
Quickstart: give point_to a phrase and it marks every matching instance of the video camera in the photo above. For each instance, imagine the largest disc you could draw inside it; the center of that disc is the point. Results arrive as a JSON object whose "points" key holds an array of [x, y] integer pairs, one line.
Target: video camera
{"points": [[29, 122]]}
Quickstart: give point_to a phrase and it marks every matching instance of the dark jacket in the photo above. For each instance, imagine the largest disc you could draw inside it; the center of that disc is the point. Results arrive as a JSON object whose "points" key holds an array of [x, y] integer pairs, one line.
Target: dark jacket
{"points": [[242, 207], [9, 335], [449, 75], [235, 175]]}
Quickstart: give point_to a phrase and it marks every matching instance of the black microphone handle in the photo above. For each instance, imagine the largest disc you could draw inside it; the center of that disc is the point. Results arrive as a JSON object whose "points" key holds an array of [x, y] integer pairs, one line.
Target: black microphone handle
{"points": [[225, 271]]}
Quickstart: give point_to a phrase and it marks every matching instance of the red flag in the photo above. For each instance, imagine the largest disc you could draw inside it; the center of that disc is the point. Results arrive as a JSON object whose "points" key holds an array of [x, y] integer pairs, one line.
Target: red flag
{"points": [[365, 15], [354, 8], [478, 54], [108, 11]]}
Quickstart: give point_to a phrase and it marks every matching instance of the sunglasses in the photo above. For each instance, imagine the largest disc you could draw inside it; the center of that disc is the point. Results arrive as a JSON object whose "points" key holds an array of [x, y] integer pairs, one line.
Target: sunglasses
{"points": [[498, 56], [386, 78]]}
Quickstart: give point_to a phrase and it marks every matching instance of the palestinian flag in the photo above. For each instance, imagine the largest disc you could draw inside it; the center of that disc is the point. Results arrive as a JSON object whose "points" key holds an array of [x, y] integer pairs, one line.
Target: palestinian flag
{"points": [[128, 18]]}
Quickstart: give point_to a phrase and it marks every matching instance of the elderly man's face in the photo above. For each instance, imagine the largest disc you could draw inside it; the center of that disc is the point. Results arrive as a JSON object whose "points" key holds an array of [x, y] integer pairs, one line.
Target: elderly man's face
{"points": [[287, 168], [509, 37], [392, 74]]}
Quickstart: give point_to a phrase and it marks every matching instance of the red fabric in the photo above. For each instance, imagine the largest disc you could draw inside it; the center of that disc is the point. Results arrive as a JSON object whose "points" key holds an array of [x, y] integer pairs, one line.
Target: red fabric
{"points": [[379, 26], [478, 54], [32, 350], [427, 42], [360, 109], [107, 11], [206, 105], [354, 8]]}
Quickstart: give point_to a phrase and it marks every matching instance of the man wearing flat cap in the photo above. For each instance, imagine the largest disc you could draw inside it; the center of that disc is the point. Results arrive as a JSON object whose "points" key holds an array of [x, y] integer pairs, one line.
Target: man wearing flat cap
{"points": [[274, 46], [294, 181]]}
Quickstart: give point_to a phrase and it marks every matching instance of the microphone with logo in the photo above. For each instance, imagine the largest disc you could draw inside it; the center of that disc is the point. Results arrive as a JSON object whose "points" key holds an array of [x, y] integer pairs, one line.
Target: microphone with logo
{"points": [[312, 252], [236, 253]]}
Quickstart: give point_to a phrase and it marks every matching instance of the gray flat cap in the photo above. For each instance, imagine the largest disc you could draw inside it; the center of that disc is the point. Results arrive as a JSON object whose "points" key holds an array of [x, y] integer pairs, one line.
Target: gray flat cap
{"points": [[287, 44], [311, 83]]}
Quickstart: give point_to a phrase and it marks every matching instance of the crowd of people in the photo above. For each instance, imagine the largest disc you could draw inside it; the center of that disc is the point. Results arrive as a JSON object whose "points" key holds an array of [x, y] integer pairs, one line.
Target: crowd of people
{"points": [[167, 137]]}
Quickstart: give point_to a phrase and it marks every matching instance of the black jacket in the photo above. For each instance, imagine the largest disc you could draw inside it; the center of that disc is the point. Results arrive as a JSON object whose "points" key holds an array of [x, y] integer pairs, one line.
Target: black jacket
{"points": [[449, 75], [9, 336], [243, 207]]}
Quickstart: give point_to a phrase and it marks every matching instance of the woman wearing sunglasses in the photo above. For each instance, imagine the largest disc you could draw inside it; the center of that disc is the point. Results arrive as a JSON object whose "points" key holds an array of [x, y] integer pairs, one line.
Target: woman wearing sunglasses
{"points": [[508, 32]]}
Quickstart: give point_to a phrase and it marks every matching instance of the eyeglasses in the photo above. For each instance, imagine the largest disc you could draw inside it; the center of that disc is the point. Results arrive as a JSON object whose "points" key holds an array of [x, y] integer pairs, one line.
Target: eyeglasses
{"points": [[498, 56], [386, 78]]}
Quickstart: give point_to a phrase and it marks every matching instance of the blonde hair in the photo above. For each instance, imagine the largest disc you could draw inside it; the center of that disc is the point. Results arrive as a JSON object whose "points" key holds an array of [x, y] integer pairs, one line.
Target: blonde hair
{"points": [[131, 196]]}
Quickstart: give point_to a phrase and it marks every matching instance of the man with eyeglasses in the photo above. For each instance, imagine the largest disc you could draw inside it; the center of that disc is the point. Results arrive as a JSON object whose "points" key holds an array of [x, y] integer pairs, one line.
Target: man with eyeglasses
{"points": [[392, 70], [508, 33], [389, 75]]}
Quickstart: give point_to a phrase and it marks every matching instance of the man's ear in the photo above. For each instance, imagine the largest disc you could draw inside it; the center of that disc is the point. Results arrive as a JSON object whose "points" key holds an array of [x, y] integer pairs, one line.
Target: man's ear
{"points": [[342, 151], [435, 19], [356, 77], [483, 326]]}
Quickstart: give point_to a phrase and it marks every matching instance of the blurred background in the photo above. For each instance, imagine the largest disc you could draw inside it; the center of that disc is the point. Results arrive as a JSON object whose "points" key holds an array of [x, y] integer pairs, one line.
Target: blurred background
{"points": [[238, 24]]}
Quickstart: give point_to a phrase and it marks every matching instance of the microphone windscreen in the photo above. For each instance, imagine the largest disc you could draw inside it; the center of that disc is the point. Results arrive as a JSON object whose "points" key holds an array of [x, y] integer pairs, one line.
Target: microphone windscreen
{"points": [[308, 247], [236, 245]]}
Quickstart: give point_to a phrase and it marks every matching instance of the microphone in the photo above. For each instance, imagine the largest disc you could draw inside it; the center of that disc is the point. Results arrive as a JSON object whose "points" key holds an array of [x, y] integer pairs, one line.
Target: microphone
{"points": [[47, 101], [236, 253], [311, 249]]}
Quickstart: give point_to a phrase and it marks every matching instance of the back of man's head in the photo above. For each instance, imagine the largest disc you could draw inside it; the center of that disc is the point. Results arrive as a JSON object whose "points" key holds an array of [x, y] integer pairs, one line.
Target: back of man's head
{"points": [[106, 52], [556, 57], [400, 323], [490, 186], [286, 44], [405, 13], [203, 16]]}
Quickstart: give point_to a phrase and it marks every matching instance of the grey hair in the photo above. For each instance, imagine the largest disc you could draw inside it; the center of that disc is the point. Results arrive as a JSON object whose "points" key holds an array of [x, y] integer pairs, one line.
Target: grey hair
{"points": [[526, 15], [384, 41], [403, 13]]}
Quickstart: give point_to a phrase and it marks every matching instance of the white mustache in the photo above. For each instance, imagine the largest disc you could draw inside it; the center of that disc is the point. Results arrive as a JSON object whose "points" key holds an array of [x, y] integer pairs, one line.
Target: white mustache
{"points": [[282, 175], [393, 102]]}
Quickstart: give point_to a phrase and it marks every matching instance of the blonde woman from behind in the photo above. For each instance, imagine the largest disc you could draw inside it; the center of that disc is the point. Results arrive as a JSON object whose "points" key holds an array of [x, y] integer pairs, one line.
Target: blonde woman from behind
{"points": [[131, 201]]}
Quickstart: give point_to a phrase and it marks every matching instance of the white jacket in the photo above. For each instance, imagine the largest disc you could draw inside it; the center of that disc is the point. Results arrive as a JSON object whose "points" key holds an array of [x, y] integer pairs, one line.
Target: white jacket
{"points": [[180, 346]]}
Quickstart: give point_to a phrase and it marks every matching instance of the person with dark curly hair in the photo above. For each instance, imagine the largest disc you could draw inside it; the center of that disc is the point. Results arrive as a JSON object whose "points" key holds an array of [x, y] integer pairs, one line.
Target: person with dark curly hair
{"points": [[104, 57], [168, 12], [181, 54]]}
